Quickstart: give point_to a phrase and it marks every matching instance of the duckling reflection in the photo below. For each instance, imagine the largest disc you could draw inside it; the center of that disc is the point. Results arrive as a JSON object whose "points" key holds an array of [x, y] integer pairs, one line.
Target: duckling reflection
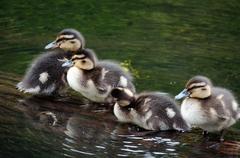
{"points": [[79, 125], [95, 79], [89, 135], [83, 132], [46, 75], [86, 133], [49, 112], [211, 108]]}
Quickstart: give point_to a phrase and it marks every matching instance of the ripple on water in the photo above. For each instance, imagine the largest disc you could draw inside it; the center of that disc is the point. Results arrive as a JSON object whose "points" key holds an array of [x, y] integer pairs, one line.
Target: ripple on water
{"points": [[100, 147], [83, 152]]}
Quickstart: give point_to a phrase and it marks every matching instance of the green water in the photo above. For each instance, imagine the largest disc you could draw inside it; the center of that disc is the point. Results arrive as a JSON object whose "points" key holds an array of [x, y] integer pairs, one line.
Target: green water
{"points": [[167, 42]]}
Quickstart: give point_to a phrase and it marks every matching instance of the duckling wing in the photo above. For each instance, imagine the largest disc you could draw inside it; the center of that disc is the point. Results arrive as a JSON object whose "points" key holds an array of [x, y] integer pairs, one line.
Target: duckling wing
{"points": [[45, 74], [102, 88], [112, 66], [222, 117], [165, 113], [97, 76], [218, 110], [114, 75], [238, 114], [224, 103]]}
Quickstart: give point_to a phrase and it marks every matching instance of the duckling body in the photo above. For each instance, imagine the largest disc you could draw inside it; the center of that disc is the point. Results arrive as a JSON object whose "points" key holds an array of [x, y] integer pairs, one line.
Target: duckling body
{"points": [[46, 74], [96, 83], [210, 108], [212, 114], [151, 111]]}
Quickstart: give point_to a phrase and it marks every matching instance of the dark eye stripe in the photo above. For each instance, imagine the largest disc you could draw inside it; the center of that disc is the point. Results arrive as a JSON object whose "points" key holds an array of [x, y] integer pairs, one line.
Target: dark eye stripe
{"points": [[195, 87], [61, 39], [77, 58]]}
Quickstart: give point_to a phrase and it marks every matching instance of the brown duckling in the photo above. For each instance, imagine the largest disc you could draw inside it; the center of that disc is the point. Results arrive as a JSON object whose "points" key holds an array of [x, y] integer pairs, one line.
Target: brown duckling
{"points": [[46, 74], [151, 111], [211, 108], [94, 78]]}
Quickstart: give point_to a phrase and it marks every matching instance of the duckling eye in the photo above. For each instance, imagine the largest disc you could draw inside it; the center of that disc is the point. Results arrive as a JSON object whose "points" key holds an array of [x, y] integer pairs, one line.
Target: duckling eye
{"points": [[204, 89], [83, 61], [72, 42]]}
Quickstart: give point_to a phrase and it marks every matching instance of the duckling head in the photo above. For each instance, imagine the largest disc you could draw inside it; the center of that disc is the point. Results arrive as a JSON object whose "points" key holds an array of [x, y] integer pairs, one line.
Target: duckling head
{"points": [[68, 40], [124, 97], [84, 61], [199, 87]]}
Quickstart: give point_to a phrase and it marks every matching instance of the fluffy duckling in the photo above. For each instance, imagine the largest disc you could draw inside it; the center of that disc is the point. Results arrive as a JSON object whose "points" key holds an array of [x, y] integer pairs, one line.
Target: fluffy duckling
{"points": [[208, 107], [45, 76], [95, 79], [151, 111]]}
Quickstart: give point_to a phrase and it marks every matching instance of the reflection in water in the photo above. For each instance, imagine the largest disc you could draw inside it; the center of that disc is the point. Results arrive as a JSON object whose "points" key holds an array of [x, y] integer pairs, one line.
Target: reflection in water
{"points": [[86, 137], [90, 132], [229, 148]]}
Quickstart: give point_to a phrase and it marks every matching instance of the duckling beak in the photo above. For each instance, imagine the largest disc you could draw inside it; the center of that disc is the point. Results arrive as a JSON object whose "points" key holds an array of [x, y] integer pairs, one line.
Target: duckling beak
{"points": [[51, 45], [182, 94], [67, 63]]}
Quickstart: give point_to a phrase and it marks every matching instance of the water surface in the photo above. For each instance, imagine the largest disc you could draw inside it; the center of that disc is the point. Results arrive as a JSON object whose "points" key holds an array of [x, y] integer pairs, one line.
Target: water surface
{"points": [[166, 43]]}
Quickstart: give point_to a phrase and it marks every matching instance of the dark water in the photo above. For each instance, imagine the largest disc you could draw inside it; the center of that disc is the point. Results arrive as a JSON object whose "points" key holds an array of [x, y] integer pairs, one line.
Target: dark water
{"points": [[165, 43]]}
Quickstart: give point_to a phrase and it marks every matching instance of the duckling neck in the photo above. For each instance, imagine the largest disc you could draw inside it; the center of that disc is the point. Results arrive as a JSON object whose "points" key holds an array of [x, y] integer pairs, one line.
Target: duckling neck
{"points": [[133, 104], [68, 55], [79, 51], [122, 113], [86, 72], [206, 98], [125, 108]]}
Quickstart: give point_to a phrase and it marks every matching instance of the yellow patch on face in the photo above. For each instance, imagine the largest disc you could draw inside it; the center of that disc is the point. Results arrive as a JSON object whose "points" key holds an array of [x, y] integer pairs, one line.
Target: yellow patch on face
{"points": [[123, 103], [70, 45], [201, 92], [85, 64]]}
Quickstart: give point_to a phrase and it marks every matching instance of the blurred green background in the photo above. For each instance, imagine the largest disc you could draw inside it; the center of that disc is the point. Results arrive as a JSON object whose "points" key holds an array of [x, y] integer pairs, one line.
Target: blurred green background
{"points": [[164, 43], [167, 42]]}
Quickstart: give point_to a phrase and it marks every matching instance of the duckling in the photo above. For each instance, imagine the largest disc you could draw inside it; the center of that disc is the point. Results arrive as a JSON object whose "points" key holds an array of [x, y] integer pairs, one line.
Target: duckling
{"points": [[151, 111], [95, 79], [210, 108], [45, 75]]}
